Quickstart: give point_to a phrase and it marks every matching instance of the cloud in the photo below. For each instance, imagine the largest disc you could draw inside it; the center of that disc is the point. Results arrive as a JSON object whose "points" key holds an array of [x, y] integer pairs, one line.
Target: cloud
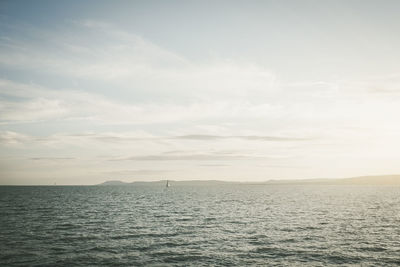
{"points": [[214, 165], [32, 110], [199, 156], [25, 103], [93, 89], [9, 137], [138, 172], [145, 84], [52, 158], [195, 157], [142, 83], [13, 138], [97, 51], [86, 49], [248, 137]]}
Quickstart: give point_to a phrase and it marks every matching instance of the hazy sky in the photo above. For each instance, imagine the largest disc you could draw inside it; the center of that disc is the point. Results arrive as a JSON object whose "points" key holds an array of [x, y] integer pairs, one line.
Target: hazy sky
{"points": [[231, 90]]}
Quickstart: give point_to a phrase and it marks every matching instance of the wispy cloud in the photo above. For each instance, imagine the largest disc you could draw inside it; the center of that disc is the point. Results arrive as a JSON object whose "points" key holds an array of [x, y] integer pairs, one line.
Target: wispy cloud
{"points": [[91, 88], [244, 137], [123, 59], [144, 172], [215, 165], [52, 158], [9, 138], [36, 103], [170, 88], [13, 138], [80, 52], [204, 156]]}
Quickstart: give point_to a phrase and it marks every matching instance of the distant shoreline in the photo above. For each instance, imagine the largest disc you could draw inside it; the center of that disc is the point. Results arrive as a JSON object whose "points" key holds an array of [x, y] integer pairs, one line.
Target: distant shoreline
{"points": [[360, 180], [388, 180]]}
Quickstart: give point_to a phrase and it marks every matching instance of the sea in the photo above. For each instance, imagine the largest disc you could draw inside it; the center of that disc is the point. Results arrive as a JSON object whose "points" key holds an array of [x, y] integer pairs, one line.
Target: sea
{"points": [[202, 225]]}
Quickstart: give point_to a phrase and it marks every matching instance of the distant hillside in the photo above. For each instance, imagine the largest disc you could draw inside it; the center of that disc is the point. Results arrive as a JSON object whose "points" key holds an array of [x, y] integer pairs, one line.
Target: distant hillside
{"points": [[113, 182], [362, 180], [163, 182], [373, 180]]}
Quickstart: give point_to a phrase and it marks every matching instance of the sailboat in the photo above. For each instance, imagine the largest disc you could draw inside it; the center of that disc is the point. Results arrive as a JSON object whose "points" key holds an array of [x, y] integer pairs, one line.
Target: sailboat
{"points": [[167, 185]]}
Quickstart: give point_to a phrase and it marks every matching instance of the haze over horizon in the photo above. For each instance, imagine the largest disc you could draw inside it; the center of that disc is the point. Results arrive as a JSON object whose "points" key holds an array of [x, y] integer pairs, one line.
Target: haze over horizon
{"points": [[228, 90]]}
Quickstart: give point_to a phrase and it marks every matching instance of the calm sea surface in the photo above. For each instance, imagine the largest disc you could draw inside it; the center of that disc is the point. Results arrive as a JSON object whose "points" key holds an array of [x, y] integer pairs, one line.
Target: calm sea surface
{"points": [[224, 225]]}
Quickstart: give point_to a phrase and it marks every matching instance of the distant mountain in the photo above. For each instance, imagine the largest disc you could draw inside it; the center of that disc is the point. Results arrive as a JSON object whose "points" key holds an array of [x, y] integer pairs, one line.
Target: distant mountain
{"points": [[361, 180], [373, 180], [114, 182], [163, 182]]}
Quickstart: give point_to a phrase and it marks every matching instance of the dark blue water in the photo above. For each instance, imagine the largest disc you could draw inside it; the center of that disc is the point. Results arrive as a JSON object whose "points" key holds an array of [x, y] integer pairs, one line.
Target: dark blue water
{"points": [[224, 225]]}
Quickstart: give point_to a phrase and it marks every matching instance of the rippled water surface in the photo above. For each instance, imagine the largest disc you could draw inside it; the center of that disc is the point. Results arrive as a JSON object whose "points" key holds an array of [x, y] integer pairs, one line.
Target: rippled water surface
{"points": [[224, 225]]}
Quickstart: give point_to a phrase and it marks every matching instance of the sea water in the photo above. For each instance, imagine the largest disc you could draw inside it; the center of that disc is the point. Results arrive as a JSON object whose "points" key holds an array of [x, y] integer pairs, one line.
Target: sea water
{"points": [[217, 225]]}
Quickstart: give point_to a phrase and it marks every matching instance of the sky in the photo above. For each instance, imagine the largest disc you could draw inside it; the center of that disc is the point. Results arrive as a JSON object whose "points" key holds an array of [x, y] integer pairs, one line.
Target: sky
{"points": [[230, 90]]}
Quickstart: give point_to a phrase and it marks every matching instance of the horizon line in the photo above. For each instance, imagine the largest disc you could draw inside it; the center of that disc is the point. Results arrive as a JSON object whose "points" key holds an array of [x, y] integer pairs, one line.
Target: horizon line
{"points": [[208, 180]]}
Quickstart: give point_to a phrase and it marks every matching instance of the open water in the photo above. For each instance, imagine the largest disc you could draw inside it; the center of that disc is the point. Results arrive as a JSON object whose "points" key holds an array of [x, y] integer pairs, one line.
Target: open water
{"points": [[224, 225]]}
